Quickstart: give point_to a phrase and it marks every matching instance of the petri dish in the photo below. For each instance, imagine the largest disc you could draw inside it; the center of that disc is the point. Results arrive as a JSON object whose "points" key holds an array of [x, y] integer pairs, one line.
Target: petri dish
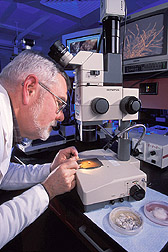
{"points": [[126, 220], [157, 212]]}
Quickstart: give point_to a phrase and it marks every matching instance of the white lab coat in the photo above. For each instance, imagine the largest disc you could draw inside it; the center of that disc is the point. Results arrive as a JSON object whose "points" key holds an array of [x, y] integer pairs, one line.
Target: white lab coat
{"points": [[22, 210]]}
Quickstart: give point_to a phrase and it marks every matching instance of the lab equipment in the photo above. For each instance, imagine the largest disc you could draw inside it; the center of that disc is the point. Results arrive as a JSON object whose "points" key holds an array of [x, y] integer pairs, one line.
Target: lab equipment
{"points": [[153, 149], [99, 96]]}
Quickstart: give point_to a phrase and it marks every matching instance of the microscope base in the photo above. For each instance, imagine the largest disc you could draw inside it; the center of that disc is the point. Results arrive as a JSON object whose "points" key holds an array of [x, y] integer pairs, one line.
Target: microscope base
{"points": [[112, 180]]}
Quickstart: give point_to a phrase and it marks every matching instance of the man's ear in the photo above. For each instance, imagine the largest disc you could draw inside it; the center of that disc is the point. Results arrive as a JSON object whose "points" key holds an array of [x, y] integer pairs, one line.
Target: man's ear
{"points": [[30, 87]]}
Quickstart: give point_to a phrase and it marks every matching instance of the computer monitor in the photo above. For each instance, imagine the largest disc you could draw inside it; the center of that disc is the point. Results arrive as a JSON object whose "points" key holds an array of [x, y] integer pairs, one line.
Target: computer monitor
{"points": [[86, 40], [144, 41]]}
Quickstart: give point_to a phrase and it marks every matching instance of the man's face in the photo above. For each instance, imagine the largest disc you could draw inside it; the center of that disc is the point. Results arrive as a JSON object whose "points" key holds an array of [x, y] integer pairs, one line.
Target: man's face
{"points": [[44, 112]]}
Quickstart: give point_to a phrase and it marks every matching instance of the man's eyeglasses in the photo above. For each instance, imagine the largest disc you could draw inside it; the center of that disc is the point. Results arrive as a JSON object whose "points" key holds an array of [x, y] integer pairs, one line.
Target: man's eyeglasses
{"points": [[60, 102]]}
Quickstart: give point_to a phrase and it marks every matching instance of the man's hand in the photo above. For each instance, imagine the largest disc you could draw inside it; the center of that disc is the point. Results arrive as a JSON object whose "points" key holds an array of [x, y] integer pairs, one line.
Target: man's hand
{"points": [[62, 179], [63, 155]]}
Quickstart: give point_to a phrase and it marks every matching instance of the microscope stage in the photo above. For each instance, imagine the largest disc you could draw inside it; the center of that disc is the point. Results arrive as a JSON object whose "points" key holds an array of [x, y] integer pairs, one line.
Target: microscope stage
{"points": [[90, 163]]}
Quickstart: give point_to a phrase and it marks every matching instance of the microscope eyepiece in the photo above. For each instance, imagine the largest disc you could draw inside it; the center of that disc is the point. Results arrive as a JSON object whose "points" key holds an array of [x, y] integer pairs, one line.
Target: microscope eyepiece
{"points": [[60, 53]]}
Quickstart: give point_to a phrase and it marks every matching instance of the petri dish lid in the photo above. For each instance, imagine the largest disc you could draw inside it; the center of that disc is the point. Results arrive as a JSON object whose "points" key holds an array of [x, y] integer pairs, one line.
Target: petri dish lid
{"points": [[157, 212], [126, 220]]}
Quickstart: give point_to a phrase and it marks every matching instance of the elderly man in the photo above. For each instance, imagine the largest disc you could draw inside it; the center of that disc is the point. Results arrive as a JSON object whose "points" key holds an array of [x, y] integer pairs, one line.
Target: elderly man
{"points": [[33, 94]]}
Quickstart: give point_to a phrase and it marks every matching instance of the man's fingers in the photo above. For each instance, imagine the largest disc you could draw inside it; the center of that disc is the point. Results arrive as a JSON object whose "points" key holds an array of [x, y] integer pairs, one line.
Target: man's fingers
{"points": [[73, 184], [70, 164]]}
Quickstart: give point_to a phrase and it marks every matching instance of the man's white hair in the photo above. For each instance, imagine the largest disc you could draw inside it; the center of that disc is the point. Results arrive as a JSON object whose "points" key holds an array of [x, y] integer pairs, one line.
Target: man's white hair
{"points": [[29, 62]]}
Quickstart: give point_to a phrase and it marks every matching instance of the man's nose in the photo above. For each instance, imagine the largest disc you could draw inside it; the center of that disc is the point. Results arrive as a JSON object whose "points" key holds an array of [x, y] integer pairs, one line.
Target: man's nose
{"points": [[60, 116]]}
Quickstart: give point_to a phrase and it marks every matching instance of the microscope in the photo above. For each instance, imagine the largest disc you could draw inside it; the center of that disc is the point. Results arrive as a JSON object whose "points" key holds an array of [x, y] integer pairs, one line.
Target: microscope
{"points": [[104, 176]]}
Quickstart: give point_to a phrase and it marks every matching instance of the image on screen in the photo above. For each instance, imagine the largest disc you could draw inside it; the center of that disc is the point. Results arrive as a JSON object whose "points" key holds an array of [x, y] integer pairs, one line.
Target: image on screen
{"points": [[143, 37], [87, 43]]}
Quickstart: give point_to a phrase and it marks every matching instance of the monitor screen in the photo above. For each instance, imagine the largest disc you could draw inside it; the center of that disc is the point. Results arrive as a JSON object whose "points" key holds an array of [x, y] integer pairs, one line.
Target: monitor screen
{"points": [[84, 43], [144, 37]]}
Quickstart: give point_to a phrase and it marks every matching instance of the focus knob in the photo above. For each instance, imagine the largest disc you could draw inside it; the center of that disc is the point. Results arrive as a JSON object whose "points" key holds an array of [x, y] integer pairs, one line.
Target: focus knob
{"points": [[137, 192], [130, 105], [100, 105]]}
